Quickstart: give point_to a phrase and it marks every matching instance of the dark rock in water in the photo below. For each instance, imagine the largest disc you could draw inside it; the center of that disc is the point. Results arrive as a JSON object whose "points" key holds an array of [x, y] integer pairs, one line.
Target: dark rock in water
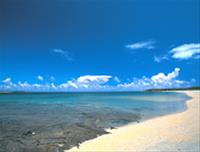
{"points": [[28, 133], [47, 133], [48, 138]]}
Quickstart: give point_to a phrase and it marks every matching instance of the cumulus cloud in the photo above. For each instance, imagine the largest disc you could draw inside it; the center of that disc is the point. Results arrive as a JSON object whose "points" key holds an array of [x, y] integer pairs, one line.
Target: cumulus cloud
{"points": [[92, 82], [186, 51], [23, 84], [159, 80], [63, 53], [39, 77], [69, 84], [100, 79], [141, 45], [7, 84], [162, 78], [7, 81], [87, 82]]}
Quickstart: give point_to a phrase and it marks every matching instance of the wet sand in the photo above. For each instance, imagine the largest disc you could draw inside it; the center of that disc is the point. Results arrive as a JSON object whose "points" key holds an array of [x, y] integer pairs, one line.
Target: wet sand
{"points": [[175, 132]]}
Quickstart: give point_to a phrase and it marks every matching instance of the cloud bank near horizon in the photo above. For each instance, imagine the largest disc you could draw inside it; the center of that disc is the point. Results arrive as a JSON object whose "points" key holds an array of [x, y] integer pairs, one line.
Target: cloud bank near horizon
{"points": [[101, 83]]}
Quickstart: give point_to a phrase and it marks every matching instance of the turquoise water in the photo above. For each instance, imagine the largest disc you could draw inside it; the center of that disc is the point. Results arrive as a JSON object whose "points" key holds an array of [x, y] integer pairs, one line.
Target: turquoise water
{"points": [[72, 118], [71, 106]]}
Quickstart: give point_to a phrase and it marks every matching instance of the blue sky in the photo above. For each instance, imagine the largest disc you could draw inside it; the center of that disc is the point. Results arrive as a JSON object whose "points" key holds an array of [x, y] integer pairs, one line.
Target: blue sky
{"points": [[66, 45]]}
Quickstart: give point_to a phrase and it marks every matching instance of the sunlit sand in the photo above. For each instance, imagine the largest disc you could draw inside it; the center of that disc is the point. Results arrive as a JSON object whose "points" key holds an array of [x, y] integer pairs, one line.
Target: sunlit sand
{"points": [[175, 132]]}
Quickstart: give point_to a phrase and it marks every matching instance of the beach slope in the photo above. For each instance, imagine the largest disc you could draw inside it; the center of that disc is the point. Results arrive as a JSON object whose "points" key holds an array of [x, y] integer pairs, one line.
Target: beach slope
{"points": [[175, 132]]}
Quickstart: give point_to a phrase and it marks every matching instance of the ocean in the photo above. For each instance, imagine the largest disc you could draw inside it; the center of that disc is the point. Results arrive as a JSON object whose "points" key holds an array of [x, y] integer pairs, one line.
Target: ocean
{"points": [[44, 121]]}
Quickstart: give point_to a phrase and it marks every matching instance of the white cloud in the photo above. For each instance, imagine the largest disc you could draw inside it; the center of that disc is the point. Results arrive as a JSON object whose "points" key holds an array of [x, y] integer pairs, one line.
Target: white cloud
{"points": [[141, 45], [52, 85], [158, 59], [159, 80], [162, 78], [7, 81], [63, 53], [186, 51], [72, 84], [39, 77], [86, 82], [116, 79], [100, 79], [23, 84], [100, 82]]}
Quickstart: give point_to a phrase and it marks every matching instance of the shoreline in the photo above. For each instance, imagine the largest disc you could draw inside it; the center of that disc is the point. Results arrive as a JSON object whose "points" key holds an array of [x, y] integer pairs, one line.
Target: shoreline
{"points": [[173, 132]]}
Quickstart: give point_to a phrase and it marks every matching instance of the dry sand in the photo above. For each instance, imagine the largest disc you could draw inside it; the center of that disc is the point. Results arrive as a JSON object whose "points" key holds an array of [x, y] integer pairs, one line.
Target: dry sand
{"points": [[175, 132]]}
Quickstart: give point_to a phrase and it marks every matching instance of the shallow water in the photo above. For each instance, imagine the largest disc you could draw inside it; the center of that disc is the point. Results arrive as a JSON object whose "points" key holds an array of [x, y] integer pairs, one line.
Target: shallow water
{"points": [[41, 121]]}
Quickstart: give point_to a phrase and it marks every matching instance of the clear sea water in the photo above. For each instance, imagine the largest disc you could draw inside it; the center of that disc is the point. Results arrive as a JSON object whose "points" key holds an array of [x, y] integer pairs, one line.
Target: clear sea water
{"points": [[38, 107], [38, 122]]}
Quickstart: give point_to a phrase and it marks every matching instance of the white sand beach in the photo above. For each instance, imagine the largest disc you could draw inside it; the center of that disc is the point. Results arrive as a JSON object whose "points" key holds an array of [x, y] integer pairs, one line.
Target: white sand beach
{"points": [[175, 132]]}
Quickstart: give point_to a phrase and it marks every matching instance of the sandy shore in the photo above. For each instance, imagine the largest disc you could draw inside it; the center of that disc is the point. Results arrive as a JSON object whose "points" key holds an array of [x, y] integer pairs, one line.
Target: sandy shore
{"points": [[176, 132]]}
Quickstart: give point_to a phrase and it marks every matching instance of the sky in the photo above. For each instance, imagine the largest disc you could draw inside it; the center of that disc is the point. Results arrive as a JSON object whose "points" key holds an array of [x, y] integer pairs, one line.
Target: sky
{"points": [[99, 45]]}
